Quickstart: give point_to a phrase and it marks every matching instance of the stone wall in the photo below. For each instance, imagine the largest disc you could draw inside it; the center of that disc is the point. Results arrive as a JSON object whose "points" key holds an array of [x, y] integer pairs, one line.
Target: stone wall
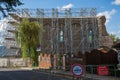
{"points": [[105, 41], [58, 61], [13, 62], [104, 38]]}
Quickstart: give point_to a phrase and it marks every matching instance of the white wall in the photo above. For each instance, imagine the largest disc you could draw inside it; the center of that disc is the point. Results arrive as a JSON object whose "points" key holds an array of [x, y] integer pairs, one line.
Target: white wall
{"points": [[13, 62]]}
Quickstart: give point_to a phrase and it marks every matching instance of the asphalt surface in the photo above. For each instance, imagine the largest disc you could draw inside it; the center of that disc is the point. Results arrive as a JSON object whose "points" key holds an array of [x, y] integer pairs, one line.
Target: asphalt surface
{"points": [[23, 74], [29, 75]]}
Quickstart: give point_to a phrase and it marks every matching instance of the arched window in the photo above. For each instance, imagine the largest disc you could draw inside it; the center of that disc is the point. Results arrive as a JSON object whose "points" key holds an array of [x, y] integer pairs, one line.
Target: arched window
{"points": [[90, 35], [61, 36]]}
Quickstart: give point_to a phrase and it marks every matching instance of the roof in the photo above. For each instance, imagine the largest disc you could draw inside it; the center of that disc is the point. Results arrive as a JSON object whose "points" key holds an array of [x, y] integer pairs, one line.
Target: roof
{"points": [[116, 46]]}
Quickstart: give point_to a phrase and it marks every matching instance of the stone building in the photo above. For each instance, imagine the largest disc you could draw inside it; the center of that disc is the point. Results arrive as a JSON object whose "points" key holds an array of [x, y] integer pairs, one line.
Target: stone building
{"points": [[9, 47], [68, 30], [104, 38]]}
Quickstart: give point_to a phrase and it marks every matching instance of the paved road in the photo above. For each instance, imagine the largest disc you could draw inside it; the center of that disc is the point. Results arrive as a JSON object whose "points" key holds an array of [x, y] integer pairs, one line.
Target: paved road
{"points": [[15, 74], [28, 75]]}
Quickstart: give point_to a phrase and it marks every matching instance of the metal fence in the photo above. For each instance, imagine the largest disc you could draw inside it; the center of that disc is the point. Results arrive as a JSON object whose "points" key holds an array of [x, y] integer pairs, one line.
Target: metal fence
{"points": [[91, 72]]}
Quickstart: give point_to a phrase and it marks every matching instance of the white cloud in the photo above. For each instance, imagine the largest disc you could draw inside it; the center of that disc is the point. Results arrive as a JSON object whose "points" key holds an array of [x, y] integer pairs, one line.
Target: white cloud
{"points": [[68, 6], [117, 33], [116, 2], [107, 14]]}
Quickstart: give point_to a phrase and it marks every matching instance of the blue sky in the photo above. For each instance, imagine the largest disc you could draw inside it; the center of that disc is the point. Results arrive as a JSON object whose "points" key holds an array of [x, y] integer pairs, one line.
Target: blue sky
{"points": [[109, 8]]}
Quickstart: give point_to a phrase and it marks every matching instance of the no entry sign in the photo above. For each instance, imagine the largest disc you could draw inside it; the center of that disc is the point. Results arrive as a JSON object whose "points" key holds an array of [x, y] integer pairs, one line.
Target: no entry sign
{"points": [[77, 70]]}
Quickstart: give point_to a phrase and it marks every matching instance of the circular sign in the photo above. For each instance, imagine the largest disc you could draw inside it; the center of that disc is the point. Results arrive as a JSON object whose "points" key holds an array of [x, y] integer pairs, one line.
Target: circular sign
{"points": [[77, 70]]}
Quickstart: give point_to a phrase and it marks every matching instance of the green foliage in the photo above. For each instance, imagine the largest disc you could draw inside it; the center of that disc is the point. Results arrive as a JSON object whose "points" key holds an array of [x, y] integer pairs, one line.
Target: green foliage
{"points": [[9, 5], [115, 38], [28, 35], [24, 53]]}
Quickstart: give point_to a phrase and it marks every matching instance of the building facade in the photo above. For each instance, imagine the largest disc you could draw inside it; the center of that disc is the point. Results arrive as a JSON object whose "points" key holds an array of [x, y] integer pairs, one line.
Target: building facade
{"points": [[68, 30]]}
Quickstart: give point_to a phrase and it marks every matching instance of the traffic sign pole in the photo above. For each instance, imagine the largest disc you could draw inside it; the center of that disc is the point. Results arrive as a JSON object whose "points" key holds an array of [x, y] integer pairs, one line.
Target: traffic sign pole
{"points": [[77, 70]]}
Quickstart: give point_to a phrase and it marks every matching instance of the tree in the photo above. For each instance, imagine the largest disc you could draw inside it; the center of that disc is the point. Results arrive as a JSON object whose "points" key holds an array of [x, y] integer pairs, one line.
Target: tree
{"points": [[9, 5], [28, 35], [115, 38]]}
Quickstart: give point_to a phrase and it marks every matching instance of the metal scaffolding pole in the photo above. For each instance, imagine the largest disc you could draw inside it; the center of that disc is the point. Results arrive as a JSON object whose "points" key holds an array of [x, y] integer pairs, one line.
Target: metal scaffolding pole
{"points": [[74, 24]]}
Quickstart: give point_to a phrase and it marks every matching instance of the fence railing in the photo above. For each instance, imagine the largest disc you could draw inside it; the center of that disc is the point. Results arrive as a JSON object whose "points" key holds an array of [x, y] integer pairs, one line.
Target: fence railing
{"points": [[91, 72]]}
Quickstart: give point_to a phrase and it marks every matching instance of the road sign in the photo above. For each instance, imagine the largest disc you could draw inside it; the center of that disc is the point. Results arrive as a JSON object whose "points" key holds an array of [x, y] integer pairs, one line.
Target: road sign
{"points": [[38, 48], [77, 70], [102, 70]]}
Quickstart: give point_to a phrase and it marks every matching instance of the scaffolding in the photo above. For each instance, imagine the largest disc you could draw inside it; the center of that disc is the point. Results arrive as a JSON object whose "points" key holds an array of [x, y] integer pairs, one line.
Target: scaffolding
{"points": [[66, 30]]}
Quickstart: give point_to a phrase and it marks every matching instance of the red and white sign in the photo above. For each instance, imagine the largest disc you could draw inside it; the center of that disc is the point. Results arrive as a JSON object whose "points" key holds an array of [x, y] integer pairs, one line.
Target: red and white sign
{"points": [[77, 70], [102, 70]]}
